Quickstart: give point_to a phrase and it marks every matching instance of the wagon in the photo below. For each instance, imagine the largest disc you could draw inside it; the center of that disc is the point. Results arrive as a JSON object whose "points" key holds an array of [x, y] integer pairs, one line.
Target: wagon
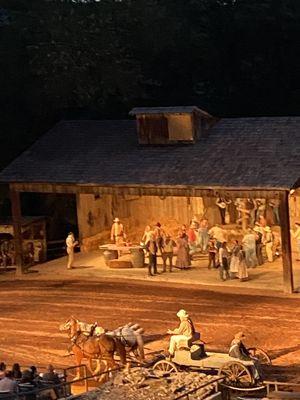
{"points": [[238, 374]]}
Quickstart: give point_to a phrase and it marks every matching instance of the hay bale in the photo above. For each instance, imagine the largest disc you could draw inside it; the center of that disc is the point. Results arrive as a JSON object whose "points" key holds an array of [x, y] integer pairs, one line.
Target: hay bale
{"points": [[119, 263]]}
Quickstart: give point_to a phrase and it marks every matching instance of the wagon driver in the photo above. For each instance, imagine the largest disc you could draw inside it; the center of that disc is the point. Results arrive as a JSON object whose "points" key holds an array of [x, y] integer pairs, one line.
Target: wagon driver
{"points": [[184, 332], [117, 233]]}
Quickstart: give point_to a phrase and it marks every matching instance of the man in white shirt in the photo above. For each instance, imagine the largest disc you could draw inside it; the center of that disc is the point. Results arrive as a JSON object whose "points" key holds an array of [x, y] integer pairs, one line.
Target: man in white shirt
{"points": [[249, 247], [70, 243], [117, 233], [183, 333]]}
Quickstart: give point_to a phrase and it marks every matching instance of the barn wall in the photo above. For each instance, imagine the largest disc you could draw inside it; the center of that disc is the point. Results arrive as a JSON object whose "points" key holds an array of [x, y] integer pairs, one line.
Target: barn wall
{"points": [[95, 215], [294, 204]]}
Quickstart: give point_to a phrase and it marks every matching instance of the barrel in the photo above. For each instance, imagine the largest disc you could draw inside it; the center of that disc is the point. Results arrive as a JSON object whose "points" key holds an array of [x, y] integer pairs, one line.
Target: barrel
{"points": [[137, 258], [109, 255]]}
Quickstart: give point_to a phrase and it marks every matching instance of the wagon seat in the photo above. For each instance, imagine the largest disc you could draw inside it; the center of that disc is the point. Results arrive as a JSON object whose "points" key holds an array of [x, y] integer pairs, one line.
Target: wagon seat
{"points": [[194, 345]]}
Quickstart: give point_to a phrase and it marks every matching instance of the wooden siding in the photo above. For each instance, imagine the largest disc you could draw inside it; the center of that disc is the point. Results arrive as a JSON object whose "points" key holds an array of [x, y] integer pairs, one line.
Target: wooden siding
{"points": [[180, 127], [153, 129], [146, 190]]}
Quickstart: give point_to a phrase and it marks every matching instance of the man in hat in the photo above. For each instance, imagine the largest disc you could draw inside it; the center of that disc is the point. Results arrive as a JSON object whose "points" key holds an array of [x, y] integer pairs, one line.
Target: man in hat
{"points": [[70, 243], [152, 248], [117, 233], [168, 252], [268, 242], [183, 333], [259, 233], [238, 349]]}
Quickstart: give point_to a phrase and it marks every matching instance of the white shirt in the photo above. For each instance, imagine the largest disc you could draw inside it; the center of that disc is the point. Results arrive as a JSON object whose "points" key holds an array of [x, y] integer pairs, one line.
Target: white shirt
{"points": [[70, 242]]}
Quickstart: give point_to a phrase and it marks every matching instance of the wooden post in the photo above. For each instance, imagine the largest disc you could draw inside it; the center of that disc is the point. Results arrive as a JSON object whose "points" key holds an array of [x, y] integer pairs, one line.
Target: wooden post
{"points": [[79, 217], [17, 227], [284, 213]]}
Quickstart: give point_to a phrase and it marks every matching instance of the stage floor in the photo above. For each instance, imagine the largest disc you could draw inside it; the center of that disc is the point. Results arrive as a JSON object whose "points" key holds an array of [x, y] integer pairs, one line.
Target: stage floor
{"points": [[92, 266]]}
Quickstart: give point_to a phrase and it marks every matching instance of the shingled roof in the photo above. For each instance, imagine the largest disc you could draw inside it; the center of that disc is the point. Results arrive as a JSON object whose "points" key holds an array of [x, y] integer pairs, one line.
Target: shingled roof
{"points": [[238, 153]]}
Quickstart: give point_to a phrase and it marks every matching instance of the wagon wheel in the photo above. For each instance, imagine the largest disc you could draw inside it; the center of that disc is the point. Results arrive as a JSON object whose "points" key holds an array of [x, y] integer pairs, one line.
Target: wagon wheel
{"points": [[261, 355], [163, 368], [236, 375]]}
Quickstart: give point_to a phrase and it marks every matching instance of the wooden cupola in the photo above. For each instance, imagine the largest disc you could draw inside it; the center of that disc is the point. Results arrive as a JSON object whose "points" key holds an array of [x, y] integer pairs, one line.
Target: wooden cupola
{"points": [[171, 125]]}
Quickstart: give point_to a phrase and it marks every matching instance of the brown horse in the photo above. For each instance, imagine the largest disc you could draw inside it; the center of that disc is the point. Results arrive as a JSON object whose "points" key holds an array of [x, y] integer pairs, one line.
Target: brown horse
{"points": [[101, 348]]}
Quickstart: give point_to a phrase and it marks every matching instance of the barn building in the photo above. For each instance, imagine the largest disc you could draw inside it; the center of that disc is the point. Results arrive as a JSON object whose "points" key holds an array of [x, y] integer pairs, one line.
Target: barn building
{"points": [[166, 164]]}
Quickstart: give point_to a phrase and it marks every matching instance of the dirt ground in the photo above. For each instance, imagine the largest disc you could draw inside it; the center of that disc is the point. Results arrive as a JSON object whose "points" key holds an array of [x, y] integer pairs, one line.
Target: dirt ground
{"points": [[31, 311]]}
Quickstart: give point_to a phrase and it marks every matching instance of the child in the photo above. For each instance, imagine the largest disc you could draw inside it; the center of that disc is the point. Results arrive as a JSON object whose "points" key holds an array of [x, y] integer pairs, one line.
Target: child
{"points": [[212, 251]]}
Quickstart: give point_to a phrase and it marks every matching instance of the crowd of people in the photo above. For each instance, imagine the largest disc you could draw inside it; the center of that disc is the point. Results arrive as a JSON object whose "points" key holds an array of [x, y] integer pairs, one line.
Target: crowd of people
{"points": [[29, 381], [254, 242], [258, 245]]}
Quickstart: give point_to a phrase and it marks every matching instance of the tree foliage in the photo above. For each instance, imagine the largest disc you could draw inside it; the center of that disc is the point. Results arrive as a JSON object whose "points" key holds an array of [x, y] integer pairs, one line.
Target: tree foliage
{"points": [[97, 59]]}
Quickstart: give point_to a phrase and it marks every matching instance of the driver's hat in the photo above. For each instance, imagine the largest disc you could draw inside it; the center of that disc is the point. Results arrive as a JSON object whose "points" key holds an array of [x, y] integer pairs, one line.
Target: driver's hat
{"points": [[239, 336], [182, 314]]}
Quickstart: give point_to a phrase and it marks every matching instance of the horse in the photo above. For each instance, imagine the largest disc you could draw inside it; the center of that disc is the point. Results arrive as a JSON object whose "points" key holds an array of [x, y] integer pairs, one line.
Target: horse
{"points": [[131, 337], [101, 348]]}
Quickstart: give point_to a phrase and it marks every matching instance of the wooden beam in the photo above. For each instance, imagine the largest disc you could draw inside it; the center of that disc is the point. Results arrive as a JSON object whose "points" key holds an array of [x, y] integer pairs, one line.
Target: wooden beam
{"points": [[146, 190], [79, 217], [284, 213], [17, 227]]}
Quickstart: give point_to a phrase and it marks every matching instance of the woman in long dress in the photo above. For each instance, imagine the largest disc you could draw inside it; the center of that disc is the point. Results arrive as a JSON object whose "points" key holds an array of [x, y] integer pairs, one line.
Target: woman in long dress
{"points": [[242, 268], [183, 257], [234, 262]]}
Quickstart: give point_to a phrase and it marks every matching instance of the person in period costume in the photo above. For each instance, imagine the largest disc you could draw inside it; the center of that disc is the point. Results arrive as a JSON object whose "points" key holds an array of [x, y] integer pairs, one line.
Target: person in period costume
{"points": [[147, 235], [203, 235], [183, 333], [152, 254], [168, 252], [219, 234], [222, 204], [195, 222], [249, 247], [261, 208], [242, 273], [159, 233], [296, 235], [212, 253], [183, 257], [252, 207], [259, 235], [183, 231], [234, 261], [71, 243], [117, 233], [268, 242], [224, 262], [238, 349], [192, 238], [274, 204]]}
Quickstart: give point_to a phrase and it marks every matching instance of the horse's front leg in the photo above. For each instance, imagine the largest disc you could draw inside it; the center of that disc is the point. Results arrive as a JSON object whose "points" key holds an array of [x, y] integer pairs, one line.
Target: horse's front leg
{"points": [[90, 366], [78, 360], [103, 377]]}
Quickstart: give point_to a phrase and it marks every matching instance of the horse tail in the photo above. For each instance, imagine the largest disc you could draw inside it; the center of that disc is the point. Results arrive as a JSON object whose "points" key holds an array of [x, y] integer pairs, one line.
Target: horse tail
{"points": [[140, 345], [120, 348]]}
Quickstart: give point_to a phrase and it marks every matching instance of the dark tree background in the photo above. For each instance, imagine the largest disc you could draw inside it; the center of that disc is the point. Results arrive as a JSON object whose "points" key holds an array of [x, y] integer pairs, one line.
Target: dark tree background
{"points": [[97, 59]]}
